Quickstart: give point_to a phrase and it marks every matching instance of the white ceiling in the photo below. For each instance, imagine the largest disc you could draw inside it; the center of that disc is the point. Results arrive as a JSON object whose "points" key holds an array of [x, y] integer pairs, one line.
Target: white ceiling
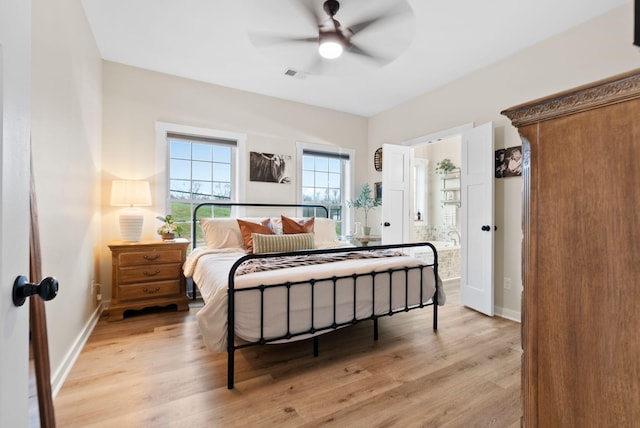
{"points": [[439, 41]]}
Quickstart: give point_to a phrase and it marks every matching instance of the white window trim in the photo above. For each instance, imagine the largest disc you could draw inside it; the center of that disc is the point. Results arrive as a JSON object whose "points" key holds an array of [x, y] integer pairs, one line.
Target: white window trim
{"points": [[349, 179], [238, 186]]}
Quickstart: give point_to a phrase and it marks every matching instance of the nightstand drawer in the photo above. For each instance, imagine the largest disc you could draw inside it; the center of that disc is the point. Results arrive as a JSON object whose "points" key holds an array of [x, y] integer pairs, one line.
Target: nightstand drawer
{"points": [[149, 290], [130, 275], [136, 258]]}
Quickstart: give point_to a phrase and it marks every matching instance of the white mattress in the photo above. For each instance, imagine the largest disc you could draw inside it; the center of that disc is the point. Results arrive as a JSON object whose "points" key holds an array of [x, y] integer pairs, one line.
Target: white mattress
{"points": [[210, 270]]}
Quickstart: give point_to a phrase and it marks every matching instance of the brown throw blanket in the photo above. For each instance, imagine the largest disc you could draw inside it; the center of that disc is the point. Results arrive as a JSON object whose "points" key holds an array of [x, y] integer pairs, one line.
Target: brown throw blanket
{"points": [[262, 265]]}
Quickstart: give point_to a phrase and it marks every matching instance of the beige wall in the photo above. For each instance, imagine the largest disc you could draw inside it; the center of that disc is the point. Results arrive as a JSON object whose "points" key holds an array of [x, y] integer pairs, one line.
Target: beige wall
{"points": [[592, 51], [135, 99], [66, 135]]}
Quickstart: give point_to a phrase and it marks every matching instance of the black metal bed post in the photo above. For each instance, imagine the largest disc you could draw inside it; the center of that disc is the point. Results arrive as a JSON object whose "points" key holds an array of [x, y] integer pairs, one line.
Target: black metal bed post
{"points": [[231, 347], [375, 328], [435, 311], [194, 240], [435, 295]]}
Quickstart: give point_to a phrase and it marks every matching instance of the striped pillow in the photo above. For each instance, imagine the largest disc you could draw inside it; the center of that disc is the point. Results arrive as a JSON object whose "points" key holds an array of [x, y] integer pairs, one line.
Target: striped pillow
{"points": [[281, 243]]}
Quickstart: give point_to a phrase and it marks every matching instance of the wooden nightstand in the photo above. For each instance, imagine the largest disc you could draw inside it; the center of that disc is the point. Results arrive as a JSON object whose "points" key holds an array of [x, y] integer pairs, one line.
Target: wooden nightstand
{"points": [[147, 274]]}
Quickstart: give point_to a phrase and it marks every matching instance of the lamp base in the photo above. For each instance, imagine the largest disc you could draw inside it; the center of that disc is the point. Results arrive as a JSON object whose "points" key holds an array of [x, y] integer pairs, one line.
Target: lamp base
{"points": [[131, 225]]}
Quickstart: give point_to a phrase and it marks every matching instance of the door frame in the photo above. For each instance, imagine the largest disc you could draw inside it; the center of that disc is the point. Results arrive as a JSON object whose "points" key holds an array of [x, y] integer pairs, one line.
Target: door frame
{"points": [[443, 135]]}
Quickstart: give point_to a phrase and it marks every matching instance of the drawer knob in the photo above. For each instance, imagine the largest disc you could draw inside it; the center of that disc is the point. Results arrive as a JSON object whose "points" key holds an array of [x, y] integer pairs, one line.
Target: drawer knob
{"points": [[146, 290], [155, 257], [145, 273]]}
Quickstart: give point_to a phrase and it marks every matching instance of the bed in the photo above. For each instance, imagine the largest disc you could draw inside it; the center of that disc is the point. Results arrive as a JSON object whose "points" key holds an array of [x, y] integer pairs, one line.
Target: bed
{"points": [[271, 279]]}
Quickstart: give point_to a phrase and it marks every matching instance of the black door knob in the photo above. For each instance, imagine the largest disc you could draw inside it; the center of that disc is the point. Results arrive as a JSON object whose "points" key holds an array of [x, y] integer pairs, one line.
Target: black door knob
{"points": [[387, 224], [47, 289], [486, 228]]}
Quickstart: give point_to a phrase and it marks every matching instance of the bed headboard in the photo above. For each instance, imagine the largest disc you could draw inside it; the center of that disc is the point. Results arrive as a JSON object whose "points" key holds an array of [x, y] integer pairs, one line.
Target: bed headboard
{"points": [[245, 209]]}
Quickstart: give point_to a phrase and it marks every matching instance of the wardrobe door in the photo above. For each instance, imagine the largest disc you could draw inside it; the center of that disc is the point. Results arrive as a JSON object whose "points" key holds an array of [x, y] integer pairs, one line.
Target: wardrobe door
{"points": [[581, 364]]}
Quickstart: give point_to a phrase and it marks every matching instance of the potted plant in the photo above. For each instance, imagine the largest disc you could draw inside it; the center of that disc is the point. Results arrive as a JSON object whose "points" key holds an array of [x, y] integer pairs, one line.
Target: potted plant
{"points": [[365, 202], [445, 166], [169, 228]]}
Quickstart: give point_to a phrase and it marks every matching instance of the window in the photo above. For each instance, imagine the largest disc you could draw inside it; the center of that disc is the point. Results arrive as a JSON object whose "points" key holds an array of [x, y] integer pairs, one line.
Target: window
{"points": [[200, 169], [326, 179]]}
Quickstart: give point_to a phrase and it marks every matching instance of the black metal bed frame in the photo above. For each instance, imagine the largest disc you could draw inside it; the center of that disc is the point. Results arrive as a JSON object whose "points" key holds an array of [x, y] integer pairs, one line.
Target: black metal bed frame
{"points": [[232, 346]]}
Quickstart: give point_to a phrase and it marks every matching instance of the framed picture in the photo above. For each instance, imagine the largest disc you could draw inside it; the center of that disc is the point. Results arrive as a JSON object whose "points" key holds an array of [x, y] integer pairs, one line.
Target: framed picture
{"points": [[269, 167], [377, 191], [508, 162]]}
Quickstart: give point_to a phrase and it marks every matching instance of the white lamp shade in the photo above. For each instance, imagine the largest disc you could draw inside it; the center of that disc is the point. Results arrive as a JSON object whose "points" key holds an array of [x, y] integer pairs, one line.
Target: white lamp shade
{"points": [[130, 193]]}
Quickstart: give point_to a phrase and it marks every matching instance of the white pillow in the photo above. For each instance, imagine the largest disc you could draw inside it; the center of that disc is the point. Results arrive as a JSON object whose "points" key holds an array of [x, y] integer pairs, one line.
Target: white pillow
{"points": [[221, 233], [224, 232], [325, 231], [276, 224]]}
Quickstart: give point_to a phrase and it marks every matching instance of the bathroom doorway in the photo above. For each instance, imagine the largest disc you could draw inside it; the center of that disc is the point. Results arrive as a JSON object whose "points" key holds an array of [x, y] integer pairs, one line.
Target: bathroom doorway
{"points": [[435, 201], [469, 220]]}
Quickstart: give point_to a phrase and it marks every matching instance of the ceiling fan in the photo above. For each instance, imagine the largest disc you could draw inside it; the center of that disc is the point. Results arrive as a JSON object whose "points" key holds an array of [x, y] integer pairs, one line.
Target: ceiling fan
{"points": [[335, 39]]}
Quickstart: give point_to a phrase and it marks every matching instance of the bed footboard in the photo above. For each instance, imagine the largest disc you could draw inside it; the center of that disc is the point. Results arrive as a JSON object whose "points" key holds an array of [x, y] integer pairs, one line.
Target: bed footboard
{"points": [[401, 278]]}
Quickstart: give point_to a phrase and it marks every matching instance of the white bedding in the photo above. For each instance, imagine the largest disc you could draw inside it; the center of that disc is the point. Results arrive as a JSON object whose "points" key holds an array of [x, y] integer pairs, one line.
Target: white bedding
{"points": [[209, 268]]}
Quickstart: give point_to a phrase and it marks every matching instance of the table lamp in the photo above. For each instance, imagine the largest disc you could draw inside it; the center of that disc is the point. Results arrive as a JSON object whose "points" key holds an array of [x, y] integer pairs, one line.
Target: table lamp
{"points": [[131, 194]]}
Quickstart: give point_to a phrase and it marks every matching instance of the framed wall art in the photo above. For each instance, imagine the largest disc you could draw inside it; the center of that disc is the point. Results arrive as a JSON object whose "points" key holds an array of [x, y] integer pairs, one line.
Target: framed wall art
{"points": [[269, 167], [509, 162]]}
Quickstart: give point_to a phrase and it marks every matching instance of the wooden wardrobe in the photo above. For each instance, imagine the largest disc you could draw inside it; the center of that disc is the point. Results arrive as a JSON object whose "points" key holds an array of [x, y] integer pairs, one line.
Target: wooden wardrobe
{"points": [[581, 256]]}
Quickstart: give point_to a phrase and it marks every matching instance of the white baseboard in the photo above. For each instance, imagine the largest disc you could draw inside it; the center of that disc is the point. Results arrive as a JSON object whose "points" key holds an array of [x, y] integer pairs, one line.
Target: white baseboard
{"points": [[60, 375], [509, 314]]}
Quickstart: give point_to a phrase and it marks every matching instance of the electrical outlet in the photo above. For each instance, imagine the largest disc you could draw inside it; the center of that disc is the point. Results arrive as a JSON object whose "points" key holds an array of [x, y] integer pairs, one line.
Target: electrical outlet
{"points": [[507, 283]]}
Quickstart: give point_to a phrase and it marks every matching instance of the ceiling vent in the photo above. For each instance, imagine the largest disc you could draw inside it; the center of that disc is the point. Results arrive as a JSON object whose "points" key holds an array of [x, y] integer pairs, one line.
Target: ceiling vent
{"points": [[295, 73]]}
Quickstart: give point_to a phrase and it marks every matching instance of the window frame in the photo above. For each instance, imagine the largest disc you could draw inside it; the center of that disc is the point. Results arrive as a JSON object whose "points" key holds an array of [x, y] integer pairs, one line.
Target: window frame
{"points": [[163, 132], [347, 179]]}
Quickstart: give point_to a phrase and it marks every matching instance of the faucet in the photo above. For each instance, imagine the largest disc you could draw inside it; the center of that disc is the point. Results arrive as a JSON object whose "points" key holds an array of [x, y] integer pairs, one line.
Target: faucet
{"points": [[456, 238]]}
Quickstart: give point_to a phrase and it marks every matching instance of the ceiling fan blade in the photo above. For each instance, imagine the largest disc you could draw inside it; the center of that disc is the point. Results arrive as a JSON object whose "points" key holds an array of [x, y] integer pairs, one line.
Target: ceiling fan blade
{"points": [[356, 28], [311, 12], [276, 39], [400, 8], [355, 49]]}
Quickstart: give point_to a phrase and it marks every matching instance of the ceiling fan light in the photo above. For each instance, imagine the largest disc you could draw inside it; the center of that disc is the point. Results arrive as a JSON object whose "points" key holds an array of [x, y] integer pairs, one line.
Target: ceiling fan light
{"points": [[330, 49]]}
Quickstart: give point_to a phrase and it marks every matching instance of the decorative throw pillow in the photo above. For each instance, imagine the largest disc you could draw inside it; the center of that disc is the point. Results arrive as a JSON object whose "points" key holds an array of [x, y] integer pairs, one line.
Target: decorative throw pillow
{"points": [[289, 225], [282, 243], [247, 228]]}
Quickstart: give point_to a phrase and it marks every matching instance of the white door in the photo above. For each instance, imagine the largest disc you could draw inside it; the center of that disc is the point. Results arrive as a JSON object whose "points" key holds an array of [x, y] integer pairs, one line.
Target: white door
{"points": [[476, 282], [396, 191], [15, 29]]}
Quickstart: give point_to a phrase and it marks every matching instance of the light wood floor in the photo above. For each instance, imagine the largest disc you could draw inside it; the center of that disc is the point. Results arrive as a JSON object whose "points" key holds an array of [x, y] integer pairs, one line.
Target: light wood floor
{"points": [[152, 370]]}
